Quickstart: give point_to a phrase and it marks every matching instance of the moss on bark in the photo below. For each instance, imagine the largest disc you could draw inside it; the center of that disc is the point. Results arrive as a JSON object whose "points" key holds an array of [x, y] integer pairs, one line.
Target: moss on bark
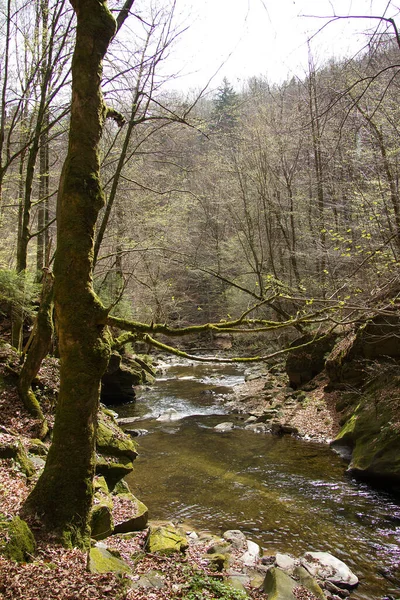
{"points": [[63, 494]]}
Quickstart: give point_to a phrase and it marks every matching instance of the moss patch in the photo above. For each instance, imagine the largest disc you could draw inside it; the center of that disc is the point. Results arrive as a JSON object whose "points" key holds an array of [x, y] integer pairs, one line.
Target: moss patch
{"points": [[16, 540]]}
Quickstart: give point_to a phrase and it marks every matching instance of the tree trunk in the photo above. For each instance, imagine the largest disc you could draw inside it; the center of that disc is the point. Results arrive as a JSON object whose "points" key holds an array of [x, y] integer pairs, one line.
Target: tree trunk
{"points": [[63, 494], [38, 349]]}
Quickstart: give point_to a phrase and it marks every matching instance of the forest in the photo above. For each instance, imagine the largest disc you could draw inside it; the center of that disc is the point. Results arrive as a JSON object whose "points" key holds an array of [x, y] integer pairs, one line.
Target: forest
{"points": [[139, 219]]}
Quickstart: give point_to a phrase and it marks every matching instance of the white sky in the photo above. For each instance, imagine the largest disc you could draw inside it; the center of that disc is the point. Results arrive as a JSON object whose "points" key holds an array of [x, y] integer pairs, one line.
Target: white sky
{"points": [[264, 37]]}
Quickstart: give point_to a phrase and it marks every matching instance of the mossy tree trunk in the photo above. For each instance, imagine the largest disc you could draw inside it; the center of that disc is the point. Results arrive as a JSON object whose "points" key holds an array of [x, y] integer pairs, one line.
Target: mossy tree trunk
{"points": [[63, 494], [39, 347]]}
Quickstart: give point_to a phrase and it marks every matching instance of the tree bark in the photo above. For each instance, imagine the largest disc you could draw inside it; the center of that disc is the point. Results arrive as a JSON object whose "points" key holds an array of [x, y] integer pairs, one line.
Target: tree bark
{"points": [[38, 349], [63, 494]]}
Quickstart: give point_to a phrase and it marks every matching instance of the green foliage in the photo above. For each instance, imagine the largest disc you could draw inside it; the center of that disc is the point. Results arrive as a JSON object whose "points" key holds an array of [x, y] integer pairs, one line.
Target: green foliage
{"points": [[202, 587], [17, 290]]}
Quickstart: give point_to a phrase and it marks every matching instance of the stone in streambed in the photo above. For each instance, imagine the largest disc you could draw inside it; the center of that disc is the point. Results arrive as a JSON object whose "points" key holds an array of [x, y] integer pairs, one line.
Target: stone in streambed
{"points": [[226, 426], [326, 566], [236, 538]]}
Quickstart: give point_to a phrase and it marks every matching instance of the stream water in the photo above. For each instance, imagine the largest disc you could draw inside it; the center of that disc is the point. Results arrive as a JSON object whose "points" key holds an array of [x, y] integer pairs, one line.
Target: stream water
{"points": [[286, 494]]}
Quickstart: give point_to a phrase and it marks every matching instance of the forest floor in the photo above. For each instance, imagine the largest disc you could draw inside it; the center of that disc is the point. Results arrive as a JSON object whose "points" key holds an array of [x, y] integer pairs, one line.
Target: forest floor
{"points": [[57, 573]]}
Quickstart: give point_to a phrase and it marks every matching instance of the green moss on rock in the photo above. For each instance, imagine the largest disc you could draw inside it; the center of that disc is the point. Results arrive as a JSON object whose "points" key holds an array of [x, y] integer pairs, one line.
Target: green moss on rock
{"points": [[102, 561], [17, 542], [165, 540], [14, 449], [111, 440], [278, 585], [113, 470]]}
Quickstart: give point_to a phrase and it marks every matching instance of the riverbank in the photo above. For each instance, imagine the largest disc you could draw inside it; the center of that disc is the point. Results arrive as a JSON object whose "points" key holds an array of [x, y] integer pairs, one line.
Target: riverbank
{"points": [[309, 413]]}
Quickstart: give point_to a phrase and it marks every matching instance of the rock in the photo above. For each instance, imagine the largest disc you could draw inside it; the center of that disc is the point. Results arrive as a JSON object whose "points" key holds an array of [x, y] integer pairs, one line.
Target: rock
{"points": [[101, 520], [113, 469], [227, 426], [282, 429], [236, 538], [136, 432], [121, 487], [170, 415], [102, 561], [334, 589], [220, 547], [308, 582], [251, 419], [165, 540], [117, 383], [238, 581], [326, 566], [37, 447], [111, 440], [139, 518], [217, 562], [257, 427], [268, 414], [369, 431], [17, 542], [252, 377], [285, 562], [151, 580], [252, 554], [304, 363], [278, 585], [11, 447]]}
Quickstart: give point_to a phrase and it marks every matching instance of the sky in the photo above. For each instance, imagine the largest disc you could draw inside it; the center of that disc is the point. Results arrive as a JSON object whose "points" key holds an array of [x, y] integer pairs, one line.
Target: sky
{"points": [[238, 39]]}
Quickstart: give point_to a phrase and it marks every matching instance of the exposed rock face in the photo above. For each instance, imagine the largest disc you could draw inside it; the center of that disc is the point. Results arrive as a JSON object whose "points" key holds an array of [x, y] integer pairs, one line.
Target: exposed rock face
{"points": [[305, 363], [117, 384], [371, 405], [116, 450]]}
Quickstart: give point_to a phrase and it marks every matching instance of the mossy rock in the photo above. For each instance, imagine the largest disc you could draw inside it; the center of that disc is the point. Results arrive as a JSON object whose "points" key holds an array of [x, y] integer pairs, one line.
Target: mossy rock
{"points": [[102, 561], [100, 484], [218, 562], [165, 540], [14, 449], [111, 440], [307, 581], [121, 487], [101, 519], [38, 448], [278, 585], [113, 470], [371, 428], [17, 542], [138, 520]]}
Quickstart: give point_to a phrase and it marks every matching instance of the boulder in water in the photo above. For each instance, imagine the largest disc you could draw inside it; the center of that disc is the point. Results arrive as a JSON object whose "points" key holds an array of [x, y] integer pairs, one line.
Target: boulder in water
{"points": [[226, 426], [169, 415], [326, 566]]}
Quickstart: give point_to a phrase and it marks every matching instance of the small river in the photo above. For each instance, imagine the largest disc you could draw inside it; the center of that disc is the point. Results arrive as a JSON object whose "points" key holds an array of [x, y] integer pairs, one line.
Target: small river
{"points": [[286, 494]]}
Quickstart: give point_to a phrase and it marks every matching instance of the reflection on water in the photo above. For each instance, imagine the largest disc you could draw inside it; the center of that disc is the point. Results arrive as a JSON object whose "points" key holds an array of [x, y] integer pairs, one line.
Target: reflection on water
{"points": [[287, 495]]}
